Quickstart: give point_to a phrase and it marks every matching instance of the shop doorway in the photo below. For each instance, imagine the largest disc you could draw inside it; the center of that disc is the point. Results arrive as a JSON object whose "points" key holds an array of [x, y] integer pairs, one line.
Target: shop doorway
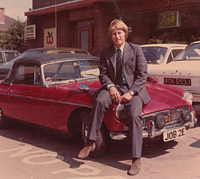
{"points": [[83, 36]]}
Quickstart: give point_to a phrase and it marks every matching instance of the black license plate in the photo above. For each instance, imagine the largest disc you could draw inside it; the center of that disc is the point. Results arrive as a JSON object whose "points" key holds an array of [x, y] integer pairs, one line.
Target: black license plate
{"points": [[178, 81], [174, 134]]}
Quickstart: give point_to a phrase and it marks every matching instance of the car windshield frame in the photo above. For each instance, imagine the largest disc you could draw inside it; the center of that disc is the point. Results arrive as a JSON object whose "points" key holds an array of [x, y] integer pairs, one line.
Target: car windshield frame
{"points": [[67, 71], [155, 54], [192, 52]]}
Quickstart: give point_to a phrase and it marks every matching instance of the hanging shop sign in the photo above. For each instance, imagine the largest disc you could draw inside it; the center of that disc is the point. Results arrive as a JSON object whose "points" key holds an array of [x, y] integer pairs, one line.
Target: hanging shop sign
{"points": [[50, 38], [169, 19], [30, 32]]}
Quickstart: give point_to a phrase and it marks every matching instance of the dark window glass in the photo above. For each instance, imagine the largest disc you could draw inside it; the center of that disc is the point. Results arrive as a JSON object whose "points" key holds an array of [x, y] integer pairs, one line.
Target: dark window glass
{"points": [[170, 58], [27, 75], [175, 52], [10, 55]]}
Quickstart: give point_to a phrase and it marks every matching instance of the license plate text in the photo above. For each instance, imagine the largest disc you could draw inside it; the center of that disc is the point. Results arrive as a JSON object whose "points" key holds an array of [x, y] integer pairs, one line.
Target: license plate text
{"points": [[177, 81], [174, 134]]}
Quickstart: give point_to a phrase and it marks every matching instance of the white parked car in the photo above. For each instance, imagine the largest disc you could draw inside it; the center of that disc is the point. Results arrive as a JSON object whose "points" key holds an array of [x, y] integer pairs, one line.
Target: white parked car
{"points": [[157, 54], [183, 71]]}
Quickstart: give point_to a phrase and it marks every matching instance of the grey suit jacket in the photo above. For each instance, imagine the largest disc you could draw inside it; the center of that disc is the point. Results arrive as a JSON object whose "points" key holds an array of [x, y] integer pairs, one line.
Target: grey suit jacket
{"points": [[135, 69]]}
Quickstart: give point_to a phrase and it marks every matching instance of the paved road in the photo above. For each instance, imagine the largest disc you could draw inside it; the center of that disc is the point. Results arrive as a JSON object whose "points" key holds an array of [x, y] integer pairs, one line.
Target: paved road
{"points": [[34, 154]]}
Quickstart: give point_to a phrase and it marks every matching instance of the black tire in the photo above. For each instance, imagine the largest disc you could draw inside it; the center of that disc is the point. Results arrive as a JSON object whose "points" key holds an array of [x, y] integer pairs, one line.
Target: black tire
{"points": [[101, 141], [3, 121]]}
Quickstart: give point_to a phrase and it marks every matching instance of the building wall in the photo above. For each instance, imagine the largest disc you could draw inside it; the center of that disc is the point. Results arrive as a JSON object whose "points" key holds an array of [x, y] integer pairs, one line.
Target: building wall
{"points": [[136, 5], [140, 15], [81, 14], [147, 6], [102, 19], [64, 30], [32, 43]]}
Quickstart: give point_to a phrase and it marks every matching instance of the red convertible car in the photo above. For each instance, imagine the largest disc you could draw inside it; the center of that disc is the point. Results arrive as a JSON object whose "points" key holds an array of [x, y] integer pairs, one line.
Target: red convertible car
{"points": [[56, 91]]}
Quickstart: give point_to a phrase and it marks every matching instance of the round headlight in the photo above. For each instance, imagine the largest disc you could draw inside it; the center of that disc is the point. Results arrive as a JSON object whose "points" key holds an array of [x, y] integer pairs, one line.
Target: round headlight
{"points": [[120, 112], [160, 121], [188, 97], [186, 115]]}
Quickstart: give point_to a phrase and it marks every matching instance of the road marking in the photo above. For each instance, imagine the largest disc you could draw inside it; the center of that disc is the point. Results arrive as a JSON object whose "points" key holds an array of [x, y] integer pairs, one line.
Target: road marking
{"points": [[22, 151], [25, 150], [27, 160], [102, 177], [43, 157], [125, 162], [84, 170]]}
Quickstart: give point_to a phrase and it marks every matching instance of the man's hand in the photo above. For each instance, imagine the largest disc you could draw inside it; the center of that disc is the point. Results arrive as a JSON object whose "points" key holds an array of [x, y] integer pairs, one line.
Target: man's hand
{"points": [[126, 97], [114, 94]]}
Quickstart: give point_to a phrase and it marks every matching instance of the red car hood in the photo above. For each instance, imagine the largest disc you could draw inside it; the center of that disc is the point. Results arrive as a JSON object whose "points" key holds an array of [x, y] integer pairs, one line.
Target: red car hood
{"points": [[162, 98]]}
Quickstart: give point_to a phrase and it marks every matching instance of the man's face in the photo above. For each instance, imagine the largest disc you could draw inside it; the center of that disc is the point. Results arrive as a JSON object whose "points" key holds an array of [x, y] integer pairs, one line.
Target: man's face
{"points": [[118, 37]]}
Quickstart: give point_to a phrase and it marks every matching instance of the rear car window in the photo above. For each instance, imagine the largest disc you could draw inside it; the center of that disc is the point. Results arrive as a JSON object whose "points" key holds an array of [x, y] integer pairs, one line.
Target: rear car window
{"points": [[10, 55]]}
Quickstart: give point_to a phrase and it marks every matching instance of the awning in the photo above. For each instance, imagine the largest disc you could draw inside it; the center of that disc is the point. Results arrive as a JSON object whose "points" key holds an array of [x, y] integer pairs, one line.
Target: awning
{"points": [[60, 7]]}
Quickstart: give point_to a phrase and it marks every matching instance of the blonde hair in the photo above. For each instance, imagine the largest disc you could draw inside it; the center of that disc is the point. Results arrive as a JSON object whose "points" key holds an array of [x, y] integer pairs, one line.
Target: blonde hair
{"points": [[119, 25]]}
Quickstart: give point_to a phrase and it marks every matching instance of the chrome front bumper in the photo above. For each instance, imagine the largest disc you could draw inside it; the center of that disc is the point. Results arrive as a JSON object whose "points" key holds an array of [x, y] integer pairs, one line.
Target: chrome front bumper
{"points": [[152, 133]]}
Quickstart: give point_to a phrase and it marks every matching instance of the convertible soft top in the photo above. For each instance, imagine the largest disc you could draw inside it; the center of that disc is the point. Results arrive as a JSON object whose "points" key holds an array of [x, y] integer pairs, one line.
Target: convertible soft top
{"points": [[46, 58], [40, 59]]}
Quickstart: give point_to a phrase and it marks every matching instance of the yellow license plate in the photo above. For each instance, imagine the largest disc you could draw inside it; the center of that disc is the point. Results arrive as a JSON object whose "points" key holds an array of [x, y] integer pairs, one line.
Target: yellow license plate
{"points": [[174, 134]]}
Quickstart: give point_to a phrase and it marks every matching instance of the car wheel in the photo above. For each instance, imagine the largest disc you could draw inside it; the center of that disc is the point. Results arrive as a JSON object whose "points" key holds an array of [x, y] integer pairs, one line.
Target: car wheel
{"points": [[3, 121], [100, 143]]}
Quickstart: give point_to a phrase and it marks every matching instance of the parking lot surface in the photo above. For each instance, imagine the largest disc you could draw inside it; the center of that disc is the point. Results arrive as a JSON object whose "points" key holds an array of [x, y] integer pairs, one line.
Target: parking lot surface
{"points": [[29, 153]]}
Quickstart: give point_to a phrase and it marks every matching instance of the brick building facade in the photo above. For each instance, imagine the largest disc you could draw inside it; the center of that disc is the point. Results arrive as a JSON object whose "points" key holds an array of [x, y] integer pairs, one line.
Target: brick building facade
{"points": [[84, 23]]}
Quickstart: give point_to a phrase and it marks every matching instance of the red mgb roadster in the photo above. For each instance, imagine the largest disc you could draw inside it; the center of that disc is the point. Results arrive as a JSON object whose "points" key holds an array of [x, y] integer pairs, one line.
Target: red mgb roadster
{"points": [[56, 91]]}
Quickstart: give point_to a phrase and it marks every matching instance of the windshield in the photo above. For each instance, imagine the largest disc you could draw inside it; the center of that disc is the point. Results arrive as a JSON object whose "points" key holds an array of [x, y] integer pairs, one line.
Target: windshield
{"points": [[70, 70], [190, 53], [154, 55]]}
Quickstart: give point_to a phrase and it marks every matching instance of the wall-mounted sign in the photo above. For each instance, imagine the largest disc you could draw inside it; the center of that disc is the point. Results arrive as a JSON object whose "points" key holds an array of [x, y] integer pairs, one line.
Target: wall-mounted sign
{"points": [[30, 32], [50, 38], [169, 19]]}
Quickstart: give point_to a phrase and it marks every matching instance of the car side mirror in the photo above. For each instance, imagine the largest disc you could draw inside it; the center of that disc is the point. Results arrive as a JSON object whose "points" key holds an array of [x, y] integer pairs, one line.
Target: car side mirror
{"points": [[152, 79], [84, 87]]}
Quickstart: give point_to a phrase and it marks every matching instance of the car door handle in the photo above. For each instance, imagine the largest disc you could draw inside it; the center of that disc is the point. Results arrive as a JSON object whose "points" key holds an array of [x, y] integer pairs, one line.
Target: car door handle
{"points": [[10, 90]]}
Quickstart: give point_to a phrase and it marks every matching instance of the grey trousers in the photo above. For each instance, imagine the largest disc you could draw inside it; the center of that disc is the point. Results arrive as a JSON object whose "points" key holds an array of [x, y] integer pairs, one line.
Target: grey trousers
{"points": [[133, 109]]}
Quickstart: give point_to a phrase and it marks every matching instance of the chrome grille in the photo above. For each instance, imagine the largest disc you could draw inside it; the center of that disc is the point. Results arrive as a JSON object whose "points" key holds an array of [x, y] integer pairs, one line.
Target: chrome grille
{"points": [[172, 116], [176, 115]]}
